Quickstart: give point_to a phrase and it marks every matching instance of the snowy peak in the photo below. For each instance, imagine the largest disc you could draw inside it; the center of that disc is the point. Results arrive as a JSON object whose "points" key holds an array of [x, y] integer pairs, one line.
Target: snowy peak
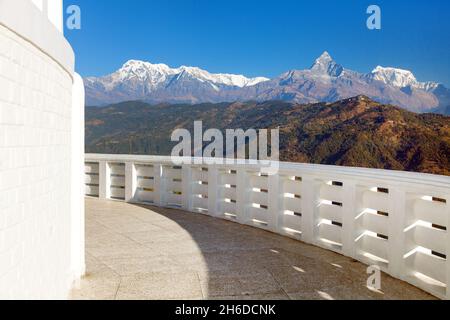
{"points": [[324, 58], [136, 66], [325, 65], [158, 73], [221, 78], [143, 71], [400, 78], [396, 77]]}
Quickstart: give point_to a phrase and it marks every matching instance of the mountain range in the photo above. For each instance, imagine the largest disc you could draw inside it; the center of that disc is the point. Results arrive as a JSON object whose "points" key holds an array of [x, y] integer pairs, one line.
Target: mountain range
{"points": [[325, 81], [352, 132]]}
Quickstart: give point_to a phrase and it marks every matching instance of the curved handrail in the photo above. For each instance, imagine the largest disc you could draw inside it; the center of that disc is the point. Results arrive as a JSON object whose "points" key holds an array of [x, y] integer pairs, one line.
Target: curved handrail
{"points": [[396, 220]]}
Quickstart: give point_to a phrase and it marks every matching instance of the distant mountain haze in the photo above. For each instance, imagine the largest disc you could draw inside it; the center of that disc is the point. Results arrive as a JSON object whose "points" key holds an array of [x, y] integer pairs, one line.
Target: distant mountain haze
{"points": [[352, 132], [325, 81]]}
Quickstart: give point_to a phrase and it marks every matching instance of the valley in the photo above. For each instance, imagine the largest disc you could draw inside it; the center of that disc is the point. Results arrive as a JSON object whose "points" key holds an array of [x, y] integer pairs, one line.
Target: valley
{"points": [[355, 132]]}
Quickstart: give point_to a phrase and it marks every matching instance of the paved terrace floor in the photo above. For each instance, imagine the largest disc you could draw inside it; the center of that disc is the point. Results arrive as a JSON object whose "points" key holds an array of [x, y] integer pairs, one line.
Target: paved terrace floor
{"points": [[142, 252]]}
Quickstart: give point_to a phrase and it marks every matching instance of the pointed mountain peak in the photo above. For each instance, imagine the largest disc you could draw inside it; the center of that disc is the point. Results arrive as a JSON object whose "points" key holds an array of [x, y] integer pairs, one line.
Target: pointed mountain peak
{"points": [[325, 65], [324, 57]]}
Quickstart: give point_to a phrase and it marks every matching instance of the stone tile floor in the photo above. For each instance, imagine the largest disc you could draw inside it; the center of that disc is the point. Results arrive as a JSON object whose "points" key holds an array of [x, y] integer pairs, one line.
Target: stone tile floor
{"points": [[142, 252]]}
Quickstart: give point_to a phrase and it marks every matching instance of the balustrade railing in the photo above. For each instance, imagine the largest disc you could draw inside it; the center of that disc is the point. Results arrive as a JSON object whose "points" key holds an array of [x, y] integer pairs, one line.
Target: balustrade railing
{"points": [[396, 220]]}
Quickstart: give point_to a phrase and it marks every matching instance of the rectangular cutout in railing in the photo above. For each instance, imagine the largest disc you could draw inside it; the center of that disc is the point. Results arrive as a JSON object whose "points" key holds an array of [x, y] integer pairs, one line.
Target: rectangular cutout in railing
{"points": [[373, 249], [439, 227], [117, 181], [200, 189], [383, 190], [258, 199], [92, 179], [427, 271], [291, 206], [145, 183], [438, 254], [427, 237], [330, 212], [373, 245], [172, 183], [330, 234], [436, 199], [331, 192], [227, 194]]}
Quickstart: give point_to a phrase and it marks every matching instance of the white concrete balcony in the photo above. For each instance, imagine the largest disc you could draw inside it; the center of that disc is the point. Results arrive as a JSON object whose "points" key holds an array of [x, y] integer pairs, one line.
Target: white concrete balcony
{"points": [[396, 220]]}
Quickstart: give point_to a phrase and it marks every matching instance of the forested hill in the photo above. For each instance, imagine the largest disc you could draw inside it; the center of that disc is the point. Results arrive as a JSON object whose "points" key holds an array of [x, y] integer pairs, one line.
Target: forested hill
{"points": [[352, 132]]}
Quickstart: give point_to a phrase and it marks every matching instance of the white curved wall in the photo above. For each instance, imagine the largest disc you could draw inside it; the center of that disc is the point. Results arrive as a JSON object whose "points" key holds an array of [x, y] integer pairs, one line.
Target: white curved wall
{"points": [[53, 9], [36, 156]]}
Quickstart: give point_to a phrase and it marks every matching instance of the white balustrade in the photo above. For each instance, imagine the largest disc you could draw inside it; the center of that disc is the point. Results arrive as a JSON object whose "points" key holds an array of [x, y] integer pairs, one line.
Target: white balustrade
{"points": [[396, 220]]}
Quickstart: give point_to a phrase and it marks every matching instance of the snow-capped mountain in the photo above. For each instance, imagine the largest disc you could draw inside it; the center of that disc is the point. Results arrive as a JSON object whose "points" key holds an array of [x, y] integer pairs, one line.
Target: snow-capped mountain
{"points": [[401, 78], [325, 81], [328, 81], [156, 74], [143, 80]]}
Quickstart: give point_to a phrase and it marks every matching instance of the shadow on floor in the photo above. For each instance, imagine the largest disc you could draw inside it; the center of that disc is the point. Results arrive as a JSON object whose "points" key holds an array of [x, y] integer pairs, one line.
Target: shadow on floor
{"points": [[145, 252]]}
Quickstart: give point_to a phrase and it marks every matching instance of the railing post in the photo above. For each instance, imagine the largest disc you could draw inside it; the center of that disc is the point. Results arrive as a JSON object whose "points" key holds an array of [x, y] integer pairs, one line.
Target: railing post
{"points": [[104, 184], [213, 190], [130, 181], [186, 187], [274, 202], [349, 212], [309, 205], [241, 195], [397, 214], [281, 205], [158, 184]]}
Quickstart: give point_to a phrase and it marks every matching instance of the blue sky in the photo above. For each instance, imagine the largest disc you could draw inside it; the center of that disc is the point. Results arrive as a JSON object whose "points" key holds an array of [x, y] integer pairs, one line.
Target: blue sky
{"points": [[262, 38]]}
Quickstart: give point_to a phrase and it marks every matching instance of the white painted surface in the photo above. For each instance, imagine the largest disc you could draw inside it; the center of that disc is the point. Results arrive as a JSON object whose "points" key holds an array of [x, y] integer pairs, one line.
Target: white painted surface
{"points": [[40, 152], [53, 10], [56, 13], [404, 231], [77, 179], [39, 4], [33, 25]]}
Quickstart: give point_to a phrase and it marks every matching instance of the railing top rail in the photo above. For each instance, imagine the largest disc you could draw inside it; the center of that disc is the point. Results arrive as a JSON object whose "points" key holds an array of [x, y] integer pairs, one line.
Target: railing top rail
{"points": [[396, 220], [393, 176]]}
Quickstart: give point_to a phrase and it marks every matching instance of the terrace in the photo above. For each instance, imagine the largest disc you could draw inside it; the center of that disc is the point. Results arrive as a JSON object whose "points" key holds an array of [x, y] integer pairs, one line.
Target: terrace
{"points": [[143, 252], [159, 231]]}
